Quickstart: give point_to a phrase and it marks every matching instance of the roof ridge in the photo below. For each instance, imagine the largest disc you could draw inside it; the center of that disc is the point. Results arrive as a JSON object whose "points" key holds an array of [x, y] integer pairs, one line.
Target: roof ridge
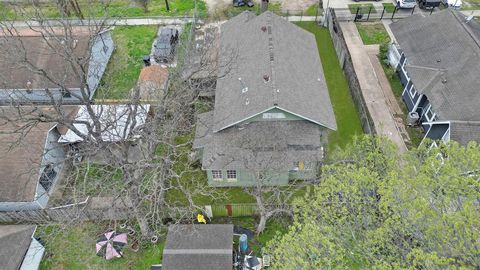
{"points": [[271, 57], [464, 26]]}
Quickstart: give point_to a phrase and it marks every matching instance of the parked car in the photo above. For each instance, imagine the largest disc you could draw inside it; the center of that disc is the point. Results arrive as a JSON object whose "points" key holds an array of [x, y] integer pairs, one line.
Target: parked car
{"points": [[165, 45], [428, 4], [406, 3], [241, 3], [453, 4]]}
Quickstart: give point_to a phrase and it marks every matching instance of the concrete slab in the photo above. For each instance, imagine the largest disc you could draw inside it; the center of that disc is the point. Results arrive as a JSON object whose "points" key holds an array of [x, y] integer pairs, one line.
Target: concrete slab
{"points": [[380, 100]]}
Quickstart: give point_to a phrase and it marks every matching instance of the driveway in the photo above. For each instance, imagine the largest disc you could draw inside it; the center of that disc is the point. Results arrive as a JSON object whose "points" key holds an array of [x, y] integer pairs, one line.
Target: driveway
{"points": [[381, 104]]}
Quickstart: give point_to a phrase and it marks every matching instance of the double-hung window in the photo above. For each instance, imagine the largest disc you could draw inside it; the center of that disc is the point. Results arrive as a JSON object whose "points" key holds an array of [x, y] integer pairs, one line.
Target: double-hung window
{"points": [[231, 175], [217, 175]]}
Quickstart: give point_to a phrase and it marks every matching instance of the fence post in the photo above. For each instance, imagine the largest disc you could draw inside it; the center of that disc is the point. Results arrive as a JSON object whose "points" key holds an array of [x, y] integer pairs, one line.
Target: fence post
{"points": [[316, 13], [383, 12], [394, 10], [431, 11], [356, 14], [369, 10], [413, 9]]}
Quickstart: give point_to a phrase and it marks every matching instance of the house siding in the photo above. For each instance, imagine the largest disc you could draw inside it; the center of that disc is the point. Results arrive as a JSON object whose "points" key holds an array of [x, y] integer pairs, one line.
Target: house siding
{"points": [[247, 179]]}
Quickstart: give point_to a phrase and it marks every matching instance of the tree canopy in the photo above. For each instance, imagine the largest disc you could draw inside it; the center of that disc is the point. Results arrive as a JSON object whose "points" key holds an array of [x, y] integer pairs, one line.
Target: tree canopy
{"points": [[375, 209]]}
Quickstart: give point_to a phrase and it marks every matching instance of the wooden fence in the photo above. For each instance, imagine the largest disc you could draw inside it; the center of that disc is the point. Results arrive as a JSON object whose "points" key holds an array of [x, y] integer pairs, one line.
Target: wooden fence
{"points": [[108, 209]]}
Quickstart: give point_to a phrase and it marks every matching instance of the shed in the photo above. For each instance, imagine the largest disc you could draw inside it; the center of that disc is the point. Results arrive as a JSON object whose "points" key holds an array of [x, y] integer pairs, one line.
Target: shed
{"points": [[199, 247]]}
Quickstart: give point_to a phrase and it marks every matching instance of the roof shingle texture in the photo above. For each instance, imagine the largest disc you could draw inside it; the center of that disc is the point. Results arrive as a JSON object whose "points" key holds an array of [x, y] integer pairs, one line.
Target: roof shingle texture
{"points": [[198, 247], [14, 243], [258, 145], [443, 61], [279, 64]]}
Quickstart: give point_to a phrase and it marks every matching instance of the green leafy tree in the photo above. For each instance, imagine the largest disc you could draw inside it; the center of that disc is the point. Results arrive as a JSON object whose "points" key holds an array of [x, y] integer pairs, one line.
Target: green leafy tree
{"points": [[374, 209]]}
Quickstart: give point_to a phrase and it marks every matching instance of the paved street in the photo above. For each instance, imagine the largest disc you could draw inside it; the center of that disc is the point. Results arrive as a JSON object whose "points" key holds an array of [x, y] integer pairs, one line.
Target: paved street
{"points": [[380, 102]]}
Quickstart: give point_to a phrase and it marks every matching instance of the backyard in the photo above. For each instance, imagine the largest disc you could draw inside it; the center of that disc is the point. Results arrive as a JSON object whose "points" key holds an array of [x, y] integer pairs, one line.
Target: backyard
{"points": [[348, 121], [373, 33], [114, 8], [131, 44], [361, 8], [73, 247]]}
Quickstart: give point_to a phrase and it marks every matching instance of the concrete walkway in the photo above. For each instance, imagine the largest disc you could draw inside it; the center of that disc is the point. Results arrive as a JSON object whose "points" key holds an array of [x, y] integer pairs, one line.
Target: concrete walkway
{"points": [[376, 91]]}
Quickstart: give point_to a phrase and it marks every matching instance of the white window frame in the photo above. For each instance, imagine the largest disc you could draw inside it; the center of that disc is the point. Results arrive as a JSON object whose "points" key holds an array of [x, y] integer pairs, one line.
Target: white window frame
{"points": [[412, 94], [231, 173], [217, 173], [429, 109]]}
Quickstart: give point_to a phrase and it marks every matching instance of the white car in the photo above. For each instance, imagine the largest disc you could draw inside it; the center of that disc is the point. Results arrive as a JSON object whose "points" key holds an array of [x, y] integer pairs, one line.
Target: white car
{"points": [[453, 4], [407, 3]]}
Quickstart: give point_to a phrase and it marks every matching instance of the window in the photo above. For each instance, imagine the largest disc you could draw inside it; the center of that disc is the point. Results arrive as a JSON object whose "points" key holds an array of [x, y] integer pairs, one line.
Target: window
{"points": [[412, 91], [47, 177], [273, 116], [231, 175], [429, 114], [217, 175]]}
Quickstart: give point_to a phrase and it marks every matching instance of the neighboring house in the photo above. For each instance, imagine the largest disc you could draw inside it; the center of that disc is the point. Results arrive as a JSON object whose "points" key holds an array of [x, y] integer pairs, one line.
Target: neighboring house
{"points": [[30, 160], [27, 59], [198, 247], [19, 250], [272, 108], [438, 60]]}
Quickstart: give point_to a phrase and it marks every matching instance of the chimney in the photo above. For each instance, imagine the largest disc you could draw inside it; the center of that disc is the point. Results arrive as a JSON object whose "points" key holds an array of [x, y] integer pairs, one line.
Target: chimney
{"points": [[264, 6]]}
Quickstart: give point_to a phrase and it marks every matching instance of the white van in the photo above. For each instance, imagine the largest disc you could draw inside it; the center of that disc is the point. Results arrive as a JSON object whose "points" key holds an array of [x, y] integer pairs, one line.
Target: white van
{"points": [[406, 3], [453, 4]]}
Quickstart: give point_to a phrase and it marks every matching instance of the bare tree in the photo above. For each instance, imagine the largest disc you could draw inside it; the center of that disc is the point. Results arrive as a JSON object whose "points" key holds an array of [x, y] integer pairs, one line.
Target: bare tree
{"points": [[146, 161]]}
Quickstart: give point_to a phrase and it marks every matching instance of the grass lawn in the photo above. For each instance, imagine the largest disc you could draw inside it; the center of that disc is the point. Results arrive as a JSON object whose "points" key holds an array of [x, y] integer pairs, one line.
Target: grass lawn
{"points": [[114, 8], [364, 8], [73, 248], [373, 33], [348, 121], [312, 11], [389, 7], [131, 44], [274, 226], [471, 4]]}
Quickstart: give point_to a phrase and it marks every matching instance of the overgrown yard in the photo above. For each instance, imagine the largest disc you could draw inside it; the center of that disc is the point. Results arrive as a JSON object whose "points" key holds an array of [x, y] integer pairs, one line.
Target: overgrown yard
{"points": [[348, 121], [415, 134], [73, 248], [362, 8], [471, 4], [114, 8], [373, 33], [131, 44]]}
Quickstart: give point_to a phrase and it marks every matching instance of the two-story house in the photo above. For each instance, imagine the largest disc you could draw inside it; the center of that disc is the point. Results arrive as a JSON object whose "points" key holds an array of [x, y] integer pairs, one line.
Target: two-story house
{"points": [[272, 108], [438, 60]]}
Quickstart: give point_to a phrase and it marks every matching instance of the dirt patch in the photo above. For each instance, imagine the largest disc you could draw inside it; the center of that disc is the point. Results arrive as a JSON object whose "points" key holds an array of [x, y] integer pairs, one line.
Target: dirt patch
{"points": [[214, 6]]}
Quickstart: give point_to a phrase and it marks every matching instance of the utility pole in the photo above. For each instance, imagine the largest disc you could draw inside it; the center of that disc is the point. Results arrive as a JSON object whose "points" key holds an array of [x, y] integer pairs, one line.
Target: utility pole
{"points": [[166, 3]]}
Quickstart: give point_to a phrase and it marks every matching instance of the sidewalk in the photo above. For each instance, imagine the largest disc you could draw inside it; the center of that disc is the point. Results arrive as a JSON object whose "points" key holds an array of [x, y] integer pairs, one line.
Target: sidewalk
{"points": [[376, 91]]}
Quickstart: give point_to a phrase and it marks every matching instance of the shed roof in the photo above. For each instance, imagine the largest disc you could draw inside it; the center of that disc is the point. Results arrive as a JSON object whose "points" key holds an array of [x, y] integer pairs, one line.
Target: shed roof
{"points": [[443, 61], [266, 61], [259, 145], [116, 122], [14, 243], [199, 247]]}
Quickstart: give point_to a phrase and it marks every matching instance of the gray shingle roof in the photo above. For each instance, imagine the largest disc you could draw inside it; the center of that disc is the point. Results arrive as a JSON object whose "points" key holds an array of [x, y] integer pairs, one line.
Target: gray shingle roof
{"points": [[14, 243], [443, 61], [258, 145], [199, 247], [464, 132], [267, 45]]}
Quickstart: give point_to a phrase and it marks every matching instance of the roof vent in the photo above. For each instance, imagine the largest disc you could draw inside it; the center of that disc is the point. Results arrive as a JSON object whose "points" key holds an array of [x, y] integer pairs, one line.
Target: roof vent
{"points": [[278, 90], [275, 104], [438, 60], [244, 90], [247, 101], [444, 81], [264, 28], [266, 78]]}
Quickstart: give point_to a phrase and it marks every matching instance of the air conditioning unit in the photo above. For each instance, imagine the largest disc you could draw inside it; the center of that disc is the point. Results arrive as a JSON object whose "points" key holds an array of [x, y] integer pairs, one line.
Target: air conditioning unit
{"points": [[412, 118]]}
